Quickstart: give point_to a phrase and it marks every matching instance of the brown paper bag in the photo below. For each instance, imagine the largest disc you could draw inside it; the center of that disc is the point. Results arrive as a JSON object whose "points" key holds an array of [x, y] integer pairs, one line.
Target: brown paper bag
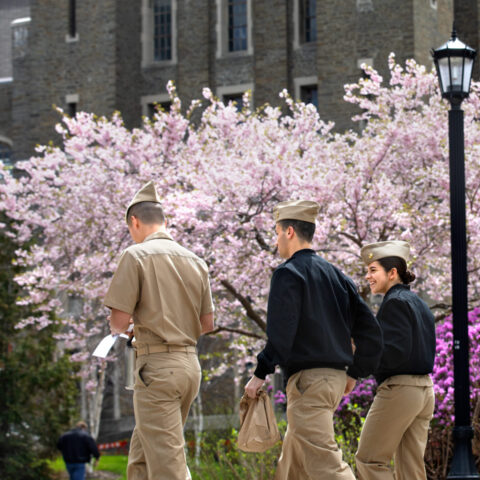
{"points": [[258, 425]]}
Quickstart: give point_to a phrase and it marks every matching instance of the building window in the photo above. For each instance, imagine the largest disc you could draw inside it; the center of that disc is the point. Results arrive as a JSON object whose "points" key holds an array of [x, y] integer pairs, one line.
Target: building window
{"points": [[154, 107], [237, 25], [235, 98], [234, 27], [306, 90], [234, 93], [71, 100], [72, 35], [308, 20], [72, 19], [309, 94], [152, 103], [5, 153], [159, 30], [72, 109], [162, 30]]}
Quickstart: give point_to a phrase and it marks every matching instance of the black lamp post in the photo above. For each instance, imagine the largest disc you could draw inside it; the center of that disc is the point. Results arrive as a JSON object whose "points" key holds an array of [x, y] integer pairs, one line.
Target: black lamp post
{"points": [[454, 62]]}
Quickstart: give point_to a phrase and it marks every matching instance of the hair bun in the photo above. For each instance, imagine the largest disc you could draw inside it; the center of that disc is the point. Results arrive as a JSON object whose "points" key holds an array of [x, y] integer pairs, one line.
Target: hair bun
{"points": [[408, 277]]}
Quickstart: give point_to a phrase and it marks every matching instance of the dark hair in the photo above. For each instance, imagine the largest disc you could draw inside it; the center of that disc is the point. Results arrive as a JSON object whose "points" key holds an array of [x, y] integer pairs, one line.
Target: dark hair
{"points": [[304, 230], [406, 276], [148, 213]]}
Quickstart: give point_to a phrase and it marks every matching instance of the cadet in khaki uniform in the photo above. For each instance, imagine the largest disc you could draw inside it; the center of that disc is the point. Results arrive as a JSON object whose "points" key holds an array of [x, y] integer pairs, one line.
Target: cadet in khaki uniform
{"points": [[313, 312], [398, 420], [164, 289]]}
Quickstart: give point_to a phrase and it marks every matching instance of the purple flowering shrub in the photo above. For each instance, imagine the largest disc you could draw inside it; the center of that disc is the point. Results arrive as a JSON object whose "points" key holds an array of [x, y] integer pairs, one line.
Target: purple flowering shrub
{"points": [[363, 393], [280, 398], [443, 370]]}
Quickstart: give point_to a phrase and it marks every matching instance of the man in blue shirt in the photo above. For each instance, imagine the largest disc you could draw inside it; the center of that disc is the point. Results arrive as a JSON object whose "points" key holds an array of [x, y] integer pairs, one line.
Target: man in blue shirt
{"points": [[77, 447]]}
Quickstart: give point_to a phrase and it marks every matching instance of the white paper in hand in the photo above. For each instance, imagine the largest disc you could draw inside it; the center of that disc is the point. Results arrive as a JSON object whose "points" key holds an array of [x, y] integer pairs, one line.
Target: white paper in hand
{"points": [[104, 346]]}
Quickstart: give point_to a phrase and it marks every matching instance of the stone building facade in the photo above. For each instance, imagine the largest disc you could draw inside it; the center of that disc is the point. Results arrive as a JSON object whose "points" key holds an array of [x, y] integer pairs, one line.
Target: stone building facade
{"points": [[102, 56]]}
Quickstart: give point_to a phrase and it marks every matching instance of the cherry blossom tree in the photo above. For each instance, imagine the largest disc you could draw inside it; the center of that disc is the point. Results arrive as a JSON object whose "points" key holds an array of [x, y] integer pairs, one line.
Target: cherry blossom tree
{"points": [[220, 177]]}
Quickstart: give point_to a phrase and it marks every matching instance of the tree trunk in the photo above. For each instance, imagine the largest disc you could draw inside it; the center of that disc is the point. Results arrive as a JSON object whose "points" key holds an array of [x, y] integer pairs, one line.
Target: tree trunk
{"points": [[197, 411]]}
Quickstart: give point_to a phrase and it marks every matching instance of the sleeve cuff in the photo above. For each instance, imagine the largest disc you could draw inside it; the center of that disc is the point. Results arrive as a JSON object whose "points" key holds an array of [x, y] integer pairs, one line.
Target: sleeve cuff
{"points": [[260, 372]]}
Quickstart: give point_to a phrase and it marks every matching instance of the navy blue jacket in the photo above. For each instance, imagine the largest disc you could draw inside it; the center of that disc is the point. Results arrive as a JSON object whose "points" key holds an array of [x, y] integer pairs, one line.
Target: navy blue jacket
{"points": [[77, 446], [408, 328], [313, 312]]}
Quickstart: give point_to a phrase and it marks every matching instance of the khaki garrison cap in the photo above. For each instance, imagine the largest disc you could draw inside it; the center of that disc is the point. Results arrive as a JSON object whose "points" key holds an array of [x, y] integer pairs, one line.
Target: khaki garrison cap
{"points": [[147, 193], [303, 210], [391, 248]]}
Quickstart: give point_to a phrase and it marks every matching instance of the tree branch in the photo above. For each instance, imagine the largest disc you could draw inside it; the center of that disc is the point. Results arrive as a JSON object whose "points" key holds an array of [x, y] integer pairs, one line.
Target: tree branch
{"points": [[251, 313], [235, 330]]}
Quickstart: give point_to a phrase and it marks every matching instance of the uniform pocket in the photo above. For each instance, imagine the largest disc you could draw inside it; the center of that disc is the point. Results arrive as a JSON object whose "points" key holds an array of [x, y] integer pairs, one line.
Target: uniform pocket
{"points": [[141, 376]]}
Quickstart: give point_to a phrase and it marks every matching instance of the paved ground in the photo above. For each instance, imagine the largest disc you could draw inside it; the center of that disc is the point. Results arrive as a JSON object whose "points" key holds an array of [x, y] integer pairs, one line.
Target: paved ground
{"points": [[96, 475]]}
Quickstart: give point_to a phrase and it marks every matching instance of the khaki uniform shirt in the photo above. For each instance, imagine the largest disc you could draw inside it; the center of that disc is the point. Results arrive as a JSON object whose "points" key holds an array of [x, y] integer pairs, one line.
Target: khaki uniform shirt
{"points": [[165, 287]]}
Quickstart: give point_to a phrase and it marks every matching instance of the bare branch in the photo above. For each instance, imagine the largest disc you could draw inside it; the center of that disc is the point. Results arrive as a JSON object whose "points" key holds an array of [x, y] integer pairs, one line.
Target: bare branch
{"points": [[251, 313], [235, 330]]}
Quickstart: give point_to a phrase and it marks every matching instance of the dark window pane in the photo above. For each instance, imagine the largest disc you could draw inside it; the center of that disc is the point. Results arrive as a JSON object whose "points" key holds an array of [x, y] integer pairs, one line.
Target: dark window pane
{"points": [[237, 25], [308, 20], [72, 21], [162, 29], [72, 109], [234, 97], [154, 107], [5, 153], [309, 94]]}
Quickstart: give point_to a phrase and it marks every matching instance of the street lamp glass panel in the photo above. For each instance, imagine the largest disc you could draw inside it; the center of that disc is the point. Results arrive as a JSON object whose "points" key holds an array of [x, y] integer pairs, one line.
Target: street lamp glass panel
{"points": [[444, 71], [456, 83], [467, 75]]}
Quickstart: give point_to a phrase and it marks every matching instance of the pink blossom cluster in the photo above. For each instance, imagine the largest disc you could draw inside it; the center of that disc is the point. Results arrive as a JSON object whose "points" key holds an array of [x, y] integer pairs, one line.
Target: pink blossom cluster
{"points": [[220, 177]]}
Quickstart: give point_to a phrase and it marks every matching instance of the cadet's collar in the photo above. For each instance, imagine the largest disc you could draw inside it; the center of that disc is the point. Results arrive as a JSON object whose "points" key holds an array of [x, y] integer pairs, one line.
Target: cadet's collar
{"points": [[398, 286], [304, 251], [155, 235]]}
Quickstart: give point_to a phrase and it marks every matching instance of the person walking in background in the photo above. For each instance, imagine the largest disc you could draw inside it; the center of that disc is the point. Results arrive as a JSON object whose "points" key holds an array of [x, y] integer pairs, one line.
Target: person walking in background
{"points": [[77, 448], [314, 311], [397, 422], [164, 289]]}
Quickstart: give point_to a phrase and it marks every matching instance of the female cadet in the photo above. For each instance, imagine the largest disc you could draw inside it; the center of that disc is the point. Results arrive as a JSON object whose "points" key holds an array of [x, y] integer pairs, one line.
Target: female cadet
{"points": [[398, 420]]}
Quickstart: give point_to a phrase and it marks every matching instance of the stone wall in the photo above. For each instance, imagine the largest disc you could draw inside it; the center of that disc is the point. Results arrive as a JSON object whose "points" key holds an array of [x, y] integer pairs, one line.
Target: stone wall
{"points": [[55, 66], [104, 66], [271, 49], [372, 29]]}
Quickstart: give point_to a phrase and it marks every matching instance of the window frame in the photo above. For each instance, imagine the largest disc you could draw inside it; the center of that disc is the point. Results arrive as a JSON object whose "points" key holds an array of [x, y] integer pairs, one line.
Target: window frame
{"points": [[147, 100], [71, 101], [72, 33], [239, 89], [299, 29], [300, 82], [148, 32], [222, 31]]}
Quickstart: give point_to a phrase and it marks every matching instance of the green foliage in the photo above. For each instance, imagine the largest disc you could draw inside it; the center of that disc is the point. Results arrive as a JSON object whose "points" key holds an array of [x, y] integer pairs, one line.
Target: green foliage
{"points": [[222, 460], [37, 394], [348, 427]]}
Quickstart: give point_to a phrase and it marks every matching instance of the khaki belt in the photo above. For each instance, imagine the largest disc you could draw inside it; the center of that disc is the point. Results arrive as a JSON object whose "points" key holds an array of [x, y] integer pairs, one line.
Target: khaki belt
{"points": [[147, 349]]}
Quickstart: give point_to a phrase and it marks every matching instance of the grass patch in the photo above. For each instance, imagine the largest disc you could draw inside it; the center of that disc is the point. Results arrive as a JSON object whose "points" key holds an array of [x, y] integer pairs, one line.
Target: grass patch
{"points": [[108, 463], [114, 463]]}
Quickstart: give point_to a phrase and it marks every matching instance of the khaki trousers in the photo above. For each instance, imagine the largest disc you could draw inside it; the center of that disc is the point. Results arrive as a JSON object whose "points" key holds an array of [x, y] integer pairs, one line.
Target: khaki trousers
{"points": [[309, 449], [166, 384], [397, 427]]}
